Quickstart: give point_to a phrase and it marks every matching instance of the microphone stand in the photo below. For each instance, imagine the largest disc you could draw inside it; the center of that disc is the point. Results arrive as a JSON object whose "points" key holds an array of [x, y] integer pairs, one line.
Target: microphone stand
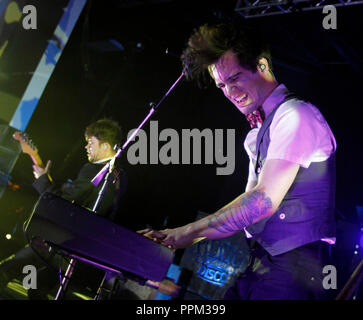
{"points": [[107, 170], [72, 262], [98, 178], [352, 284]]}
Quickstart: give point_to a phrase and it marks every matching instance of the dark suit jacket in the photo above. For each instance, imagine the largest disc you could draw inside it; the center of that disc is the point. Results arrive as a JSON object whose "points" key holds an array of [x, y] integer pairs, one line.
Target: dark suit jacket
{"points": [[84, 193]]}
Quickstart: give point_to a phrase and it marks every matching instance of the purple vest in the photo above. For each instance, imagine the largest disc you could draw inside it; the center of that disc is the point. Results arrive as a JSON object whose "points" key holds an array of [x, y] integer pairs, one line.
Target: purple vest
{"points": [[306, 214]]}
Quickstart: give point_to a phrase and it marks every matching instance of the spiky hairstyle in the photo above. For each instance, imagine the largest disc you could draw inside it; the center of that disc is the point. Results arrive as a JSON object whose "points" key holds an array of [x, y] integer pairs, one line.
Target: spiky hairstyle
{"points": [[209, 42]]}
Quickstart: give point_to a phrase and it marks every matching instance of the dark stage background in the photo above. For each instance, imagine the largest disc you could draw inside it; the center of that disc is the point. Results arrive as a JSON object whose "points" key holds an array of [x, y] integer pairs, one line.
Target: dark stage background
{"points": [[89, 82]]}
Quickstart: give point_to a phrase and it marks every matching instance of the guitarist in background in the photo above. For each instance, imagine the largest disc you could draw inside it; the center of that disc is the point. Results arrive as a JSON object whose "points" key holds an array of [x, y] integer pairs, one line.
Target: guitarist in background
{"points": [[101, 137]]}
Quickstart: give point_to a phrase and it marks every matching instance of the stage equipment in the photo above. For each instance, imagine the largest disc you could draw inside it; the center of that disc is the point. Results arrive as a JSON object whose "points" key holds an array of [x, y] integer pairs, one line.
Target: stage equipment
{"points": [[352, 284], [256, 9], [106, 172], [77, 232], [104, 175]]}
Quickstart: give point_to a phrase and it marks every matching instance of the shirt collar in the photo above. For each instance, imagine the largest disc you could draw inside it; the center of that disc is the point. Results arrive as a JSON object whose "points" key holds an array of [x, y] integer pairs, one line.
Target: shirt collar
{"points": [[276, 96], [102, 161]]}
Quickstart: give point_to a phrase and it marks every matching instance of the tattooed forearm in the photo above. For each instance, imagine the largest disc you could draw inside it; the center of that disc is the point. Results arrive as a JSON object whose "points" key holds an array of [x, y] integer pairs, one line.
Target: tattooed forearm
{"points": [[244, 211]]}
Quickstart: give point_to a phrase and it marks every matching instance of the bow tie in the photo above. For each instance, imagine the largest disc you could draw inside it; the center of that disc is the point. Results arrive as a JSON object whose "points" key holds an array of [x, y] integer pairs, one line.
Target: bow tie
{"points": [[256, 116]]}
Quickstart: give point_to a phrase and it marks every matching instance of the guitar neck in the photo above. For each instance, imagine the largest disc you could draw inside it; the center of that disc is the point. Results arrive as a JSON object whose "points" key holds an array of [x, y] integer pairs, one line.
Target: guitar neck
{"points": [[37, 160]]}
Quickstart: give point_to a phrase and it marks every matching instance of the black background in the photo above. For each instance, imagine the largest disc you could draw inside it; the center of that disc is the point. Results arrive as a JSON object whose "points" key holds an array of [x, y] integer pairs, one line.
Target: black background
{"points": [[322, 66]]}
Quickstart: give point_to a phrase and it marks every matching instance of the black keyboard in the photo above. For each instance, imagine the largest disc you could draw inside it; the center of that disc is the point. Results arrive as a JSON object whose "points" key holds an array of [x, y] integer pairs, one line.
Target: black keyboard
{"points": [[80, 232]]}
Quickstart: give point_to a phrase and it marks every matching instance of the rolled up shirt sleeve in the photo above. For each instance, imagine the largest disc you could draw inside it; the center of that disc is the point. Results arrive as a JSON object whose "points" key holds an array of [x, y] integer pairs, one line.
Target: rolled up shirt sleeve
{"points": [[300, 134]]}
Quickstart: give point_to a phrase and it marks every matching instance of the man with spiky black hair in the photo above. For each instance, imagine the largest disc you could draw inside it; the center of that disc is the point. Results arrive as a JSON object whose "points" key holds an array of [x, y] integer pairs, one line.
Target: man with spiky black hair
{"points": [[287, 208]]}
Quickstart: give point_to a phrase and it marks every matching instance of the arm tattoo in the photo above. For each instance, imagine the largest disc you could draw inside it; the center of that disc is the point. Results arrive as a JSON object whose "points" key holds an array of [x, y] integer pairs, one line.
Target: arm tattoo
{"points": [[251, 207]]}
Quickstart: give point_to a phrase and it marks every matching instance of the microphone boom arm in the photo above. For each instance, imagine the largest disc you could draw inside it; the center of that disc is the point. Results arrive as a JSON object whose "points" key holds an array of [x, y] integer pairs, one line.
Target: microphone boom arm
{"points": [[98, 178]]}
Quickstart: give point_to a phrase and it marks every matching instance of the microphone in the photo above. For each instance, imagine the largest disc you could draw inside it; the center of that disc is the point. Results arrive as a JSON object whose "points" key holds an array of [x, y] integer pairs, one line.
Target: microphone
{"points": [[171, 53], [185, 70]]}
